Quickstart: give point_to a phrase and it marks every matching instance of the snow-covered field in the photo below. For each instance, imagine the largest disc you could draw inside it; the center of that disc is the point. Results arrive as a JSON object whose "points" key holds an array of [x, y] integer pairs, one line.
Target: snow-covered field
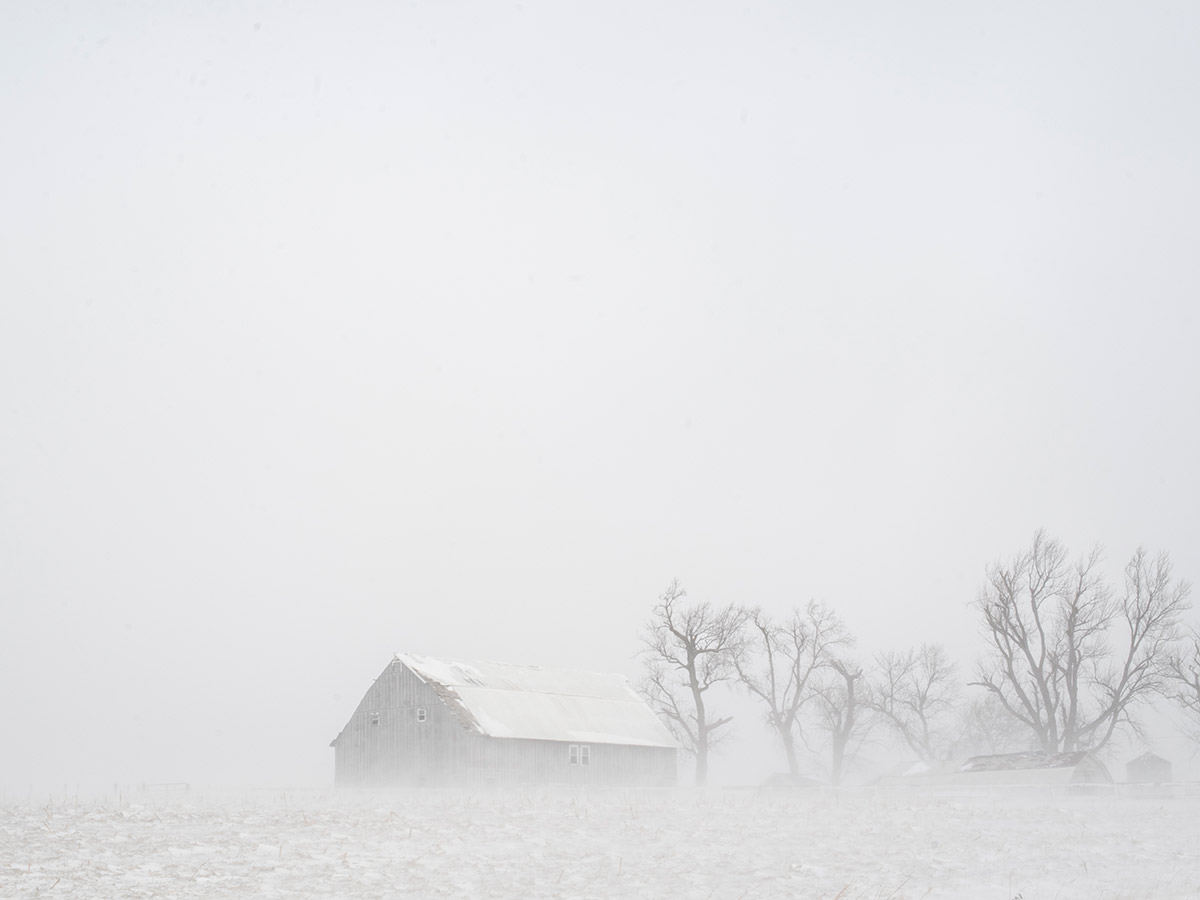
{"points": [[719, 844]]}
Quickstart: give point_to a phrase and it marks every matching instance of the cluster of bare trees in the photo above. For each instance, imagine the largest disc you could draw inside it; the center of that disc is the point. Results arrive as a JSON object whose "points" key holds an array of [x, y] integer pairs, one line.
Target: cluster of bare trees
{"points": [[1069, 657], [1068, 664], [800, 669]]}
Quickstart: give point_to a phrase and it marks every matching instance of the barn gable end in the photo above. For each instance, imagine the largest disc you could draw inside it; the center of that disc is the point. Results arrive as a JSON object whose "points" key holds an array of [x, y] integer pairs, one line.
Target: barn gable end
{"points": [[385, 741]]}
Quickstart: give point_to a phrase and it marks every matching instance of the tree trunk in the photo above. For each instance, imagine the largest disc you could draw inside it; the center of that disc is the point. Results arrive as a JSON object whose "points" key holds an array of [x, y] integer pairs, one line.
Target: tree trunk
{"points": [[789, 748], [701, 730]]}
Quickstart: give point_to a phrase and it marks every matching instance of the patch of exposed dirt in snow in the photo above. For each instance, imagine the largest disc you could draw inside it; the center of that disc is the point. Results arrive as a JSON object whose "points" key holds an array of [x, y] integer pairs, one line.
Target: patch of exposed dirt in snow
{"points": [[564, 844]]}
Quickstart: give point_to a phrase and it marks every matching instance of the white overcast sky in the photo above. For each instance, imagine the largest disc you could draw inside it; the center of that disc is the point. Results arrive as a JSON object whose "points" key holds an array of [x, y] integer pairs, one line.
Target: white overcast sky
{"points": [[328, 330]]}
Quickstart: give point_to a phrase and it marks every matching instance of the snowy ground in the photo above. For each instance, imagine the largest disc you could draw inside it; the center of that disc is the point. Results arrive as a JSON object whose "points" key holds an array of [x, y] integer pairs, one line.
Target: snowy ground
{"points": [[719, 844]]}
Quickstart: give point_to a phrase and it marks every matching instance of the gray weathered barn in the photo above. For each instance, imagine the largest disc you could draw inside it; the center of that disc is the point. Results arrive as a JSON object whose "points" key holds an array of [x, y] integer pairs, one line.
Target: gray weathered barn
{"points": [[437, 722]]}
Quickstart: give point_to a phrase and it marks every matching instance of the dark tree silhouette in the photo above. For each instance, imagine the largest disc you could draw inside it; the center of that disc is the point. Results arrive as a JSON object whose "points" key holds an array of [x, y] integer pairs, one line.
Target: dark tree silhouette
{"points": [[844, 715], [1067, 658], [915, 692], [687, 650], [778, 663]]}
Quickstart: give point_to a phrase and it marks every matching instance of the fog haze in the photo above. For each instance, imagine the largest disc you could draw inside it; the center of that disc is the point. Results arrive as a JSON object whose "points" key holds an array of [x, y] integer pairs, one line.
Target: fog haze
{"points": [[465, 329]]}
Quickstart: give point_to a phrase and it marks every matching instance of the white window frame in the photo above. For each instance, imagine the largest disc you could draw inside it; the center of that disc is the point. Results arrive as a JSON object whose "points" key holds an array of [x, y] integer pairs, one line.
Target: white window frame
{"points": [[573, 755], [585, 754], [375, 718], [422, 715]]}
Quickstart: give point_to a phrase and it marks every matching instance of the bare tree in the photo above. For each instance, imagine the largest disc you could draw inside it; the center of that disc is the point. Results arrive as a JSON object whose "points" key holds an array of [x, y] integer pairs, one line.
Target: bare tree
{"points": [[778, 661], [1066, 657], [687, 650], [914, 692], [985, 726], [843, 714], [1184, 682]]}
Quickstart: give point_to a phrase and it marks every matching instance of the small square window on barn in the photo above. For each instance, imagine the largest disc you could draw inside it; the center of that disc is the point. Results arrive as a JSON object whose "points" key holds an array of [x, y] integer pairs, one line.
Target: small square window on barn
{"points": [[585, 755], [374, 718], [573, 755], [421, 714]]}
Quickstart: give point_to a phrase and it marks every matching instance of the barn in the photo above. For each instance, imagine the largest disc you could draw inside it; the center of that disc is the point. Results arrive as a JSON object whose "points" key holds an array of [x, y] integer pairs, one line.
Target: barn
{"points": [[441, 722]]}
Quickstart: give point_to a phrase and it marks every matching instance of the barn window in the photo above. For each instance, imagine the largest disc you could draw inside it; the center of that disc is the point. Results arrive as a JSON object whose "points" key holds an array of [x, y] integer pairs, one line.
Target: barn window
{"points": [[585, 755], [573, 755], [421, 714], [374, 718]]}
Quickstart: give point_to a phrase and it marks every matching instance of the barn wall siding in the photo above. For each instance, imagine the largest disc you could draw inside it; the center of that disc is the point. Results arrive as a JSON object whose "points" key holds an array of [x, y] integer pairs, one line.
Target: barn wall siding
{"points": [[441, 751]]}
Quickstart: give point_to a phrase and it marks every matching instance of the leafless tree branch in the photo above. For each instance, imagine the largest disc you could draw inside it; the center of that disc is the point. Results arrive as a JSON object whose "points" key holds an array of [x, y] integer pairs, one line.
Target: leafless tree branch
{"points": [[1067, 658], [915, 692], [778, 664], [687, 649]]}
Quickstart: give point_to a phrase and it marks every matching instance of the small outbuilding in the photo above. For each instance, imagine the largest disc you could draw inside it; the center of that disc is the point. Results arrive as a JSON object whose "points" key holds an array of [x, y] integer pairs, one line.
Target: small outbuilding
{"points": [[444, 722], [1148, 769]]}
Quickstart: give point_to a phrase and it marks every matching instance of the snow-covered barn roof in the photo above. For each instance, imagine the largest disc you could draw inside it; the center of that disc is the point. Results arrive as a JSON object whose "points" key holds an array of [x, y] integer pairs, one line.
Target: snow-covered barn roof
{"points": [[1032, 766], [506, 701], [1030, 759]]}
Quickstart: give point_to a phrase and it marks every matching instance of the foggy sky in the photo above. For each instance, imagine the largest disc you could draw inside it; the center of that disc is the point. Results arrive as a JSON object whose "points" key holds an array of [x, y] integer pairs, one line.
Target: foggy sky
{"points": [[464, 328]]}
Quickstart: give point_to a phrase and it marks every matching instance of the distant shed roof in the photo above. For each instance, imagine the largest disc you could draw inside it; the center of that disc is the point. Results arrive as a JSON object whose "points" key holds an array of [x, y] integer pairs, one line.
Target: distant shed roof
{"points": [[506, 701], [1149, 757]]}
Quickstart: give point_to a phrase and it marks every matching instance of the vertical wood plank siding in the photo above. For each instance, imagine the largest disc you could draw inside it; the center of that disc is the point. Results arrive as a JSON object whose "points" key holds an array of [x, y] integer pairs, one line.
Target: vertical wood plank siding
{"points": [[440, 751]]}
